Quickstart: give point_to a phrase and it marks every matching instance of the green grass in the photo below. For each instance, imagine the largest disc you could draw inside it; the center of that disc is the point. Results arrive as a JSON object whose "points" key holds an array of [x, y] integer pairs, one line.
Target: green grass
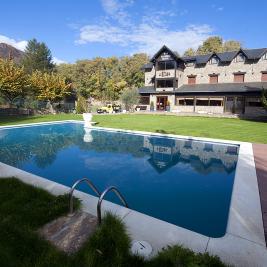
{"points": [[24, 209], [221, 128], [10, 120]]}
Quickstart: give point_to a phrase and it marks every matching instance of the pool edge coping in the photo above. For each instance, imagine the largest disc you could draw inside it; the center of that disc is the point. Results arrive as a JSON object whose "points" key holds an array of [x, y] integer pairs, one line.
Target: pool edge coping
{"points": [[245, 174]]}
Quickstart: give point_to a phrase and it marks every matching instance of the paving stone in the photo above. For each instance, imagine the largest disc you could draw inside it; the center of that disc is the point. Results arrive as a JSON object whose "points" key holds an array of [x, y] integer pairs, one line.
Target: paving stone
{"points": [[68, 233]]}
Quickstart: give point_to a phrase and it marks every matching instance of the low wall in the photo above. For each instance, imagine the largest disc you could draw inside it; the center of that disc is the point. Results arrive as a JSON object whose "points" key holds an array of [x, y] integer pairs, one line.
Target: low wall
{"points": [[209, 109], [255, 111], [183, 109]]}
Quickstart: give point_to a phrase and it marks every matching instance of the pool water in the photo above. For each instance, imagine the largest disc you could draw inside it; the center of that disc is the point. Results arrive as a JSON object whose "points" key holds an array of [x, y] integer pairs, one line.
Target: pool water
{"points": [[184, 182]]}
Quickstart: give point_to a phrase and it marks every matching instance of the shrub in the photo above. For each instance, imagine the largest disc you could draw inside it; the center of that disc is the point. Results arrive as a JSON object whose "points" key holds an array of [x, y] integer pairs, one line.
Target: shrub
{"points": [[81, 105], [130, 97]]}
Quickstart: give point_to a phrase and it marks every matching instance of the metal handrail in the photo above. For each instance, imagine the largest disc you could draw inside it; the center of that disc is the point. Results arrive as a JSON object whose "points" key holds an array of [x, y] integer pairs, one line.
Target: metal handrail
{"points": [[91, 185], [119, 195]]}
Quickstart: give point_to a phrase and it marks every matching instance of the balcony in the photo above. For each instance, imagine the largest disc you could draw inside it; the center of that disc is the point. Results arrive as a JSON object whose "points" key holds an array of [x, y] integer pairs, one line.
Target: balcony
{"points": [[165, 73]]}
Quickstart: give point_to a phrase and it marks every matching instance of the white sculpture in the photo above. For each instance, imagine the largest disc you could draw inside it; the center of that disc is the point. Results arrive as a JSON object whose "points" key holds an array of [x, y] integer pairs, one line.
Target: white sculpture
{"points": [[87, 117]]}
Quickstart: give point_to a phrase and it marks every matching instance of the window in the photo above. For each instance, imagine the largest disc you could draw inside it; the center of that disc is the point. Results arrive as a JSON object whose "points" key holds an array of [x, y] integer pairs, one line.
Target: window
{"points": [[164, 83], [144, 100], [191, 79], [184, 101], [166, 65], [208, 147], [254, 102], [202, 102], [213, 102], [214, 78], [214, 60], [239, 77], [216, 102], [264, 77], [240, 58]]}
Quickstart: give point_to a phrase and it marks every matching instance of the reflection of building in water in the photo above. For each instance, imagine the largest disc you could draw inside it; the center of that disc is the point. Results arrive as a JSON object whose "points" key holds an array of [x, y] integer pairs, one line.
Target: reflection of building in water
{"points": [[166, 153], [88, 138]]}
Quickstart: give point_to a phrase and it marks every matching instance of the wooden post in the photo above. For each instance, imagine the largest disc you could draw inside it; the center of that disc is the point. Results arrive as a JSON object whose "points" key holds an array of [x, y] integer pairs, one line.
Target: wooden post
{"points": [[195, 101]]}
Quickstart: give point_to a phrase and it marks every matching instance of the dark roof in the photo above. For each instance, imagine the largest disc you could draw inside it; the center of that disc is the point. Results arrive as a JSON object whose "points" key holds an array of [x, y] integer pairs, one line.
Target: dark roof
{"points": [[251, 54], [212, 88], [223, 87], [147, 66], [147, 90], [165, 48], [254, 53]]}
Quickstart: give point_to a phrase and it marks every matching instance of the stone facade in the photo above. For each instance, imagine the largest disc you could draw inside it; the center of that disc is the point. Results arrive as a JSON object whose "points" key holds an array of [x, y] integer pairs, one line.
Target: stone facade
{"points": [[252, 72], [165, 84]]}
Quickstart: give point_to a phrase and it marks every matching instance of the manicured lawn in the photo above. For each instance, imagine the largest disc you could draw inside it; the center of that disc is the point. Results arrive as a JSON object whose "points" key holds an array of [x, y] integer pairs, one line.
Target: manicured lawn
{"points": [[221, 128], [10, 120], [24, 209]]}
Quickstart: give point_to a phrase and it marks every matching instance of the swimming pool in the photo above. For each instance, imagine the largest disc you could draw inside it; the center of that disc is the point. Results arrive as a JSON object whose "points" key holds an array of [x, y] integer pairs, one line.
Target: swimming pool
{"points": [[182, 181]]}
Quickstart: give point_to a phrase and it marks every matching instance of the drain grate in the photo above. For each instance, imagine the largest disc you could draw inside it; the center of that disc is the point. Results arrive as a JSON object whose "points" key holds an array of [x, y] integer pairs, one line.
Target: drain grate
{"points": [[141, 248]]}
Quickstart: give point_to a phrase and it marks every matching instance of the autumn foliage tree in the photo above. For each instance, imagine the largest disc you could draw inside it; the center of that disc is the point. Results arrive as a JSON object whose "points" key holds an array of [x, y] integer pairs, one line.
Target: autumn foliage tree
{"points": [[14, 82], [50, 87]]}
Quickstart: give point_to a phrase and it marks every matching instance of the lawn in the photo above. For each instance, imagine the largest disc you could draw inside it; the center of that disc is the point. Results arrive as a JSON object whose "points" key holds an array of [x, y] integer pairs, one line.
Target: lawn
{"points": [[24, 209], [221, 128]]}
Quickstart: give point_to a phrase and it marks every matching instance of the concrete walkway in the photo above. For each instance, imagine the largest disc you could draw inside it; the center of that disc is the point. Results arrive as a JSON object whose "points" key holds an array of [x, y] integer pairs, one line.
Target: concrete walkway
{"points": [[260, 157]]}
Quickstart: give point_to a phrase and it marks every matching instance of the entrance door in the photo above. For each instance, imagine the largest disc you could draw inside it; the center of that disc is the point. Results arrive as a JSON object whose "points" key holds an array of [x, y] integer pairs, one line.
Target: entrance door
{"points": [[162, 103]]}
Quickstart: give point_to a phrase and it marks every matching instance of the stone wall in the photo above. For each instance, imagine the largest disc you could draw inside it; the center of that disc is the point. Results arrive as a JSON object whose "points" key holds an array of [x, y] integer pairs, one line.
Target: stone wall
{"points": [[252, 72], [255, 111]]}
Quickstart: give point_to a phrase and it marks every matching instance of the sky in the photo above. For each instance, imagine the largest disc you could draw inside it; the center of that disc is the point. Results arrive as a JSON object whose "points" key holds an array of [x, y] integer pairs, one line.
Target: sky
{"points": [[84, 29]]}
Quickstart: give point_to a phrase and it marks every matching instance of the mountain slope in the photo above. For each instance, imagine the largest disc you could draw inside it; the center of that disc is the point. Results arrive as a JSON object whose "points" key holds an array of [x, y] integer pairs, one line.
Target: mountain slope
{"points": [[7, 51]]}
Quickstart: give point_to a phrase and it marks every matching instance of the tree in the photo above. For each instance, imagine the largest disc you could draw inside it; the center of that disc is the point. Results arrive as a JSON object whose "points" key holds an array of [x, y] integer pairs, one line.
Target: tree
{"points": [[130, 97], [14, 82], [212, 44], [37, 56], [189, 52], [50, 87], [264, 98], [231, 45]]}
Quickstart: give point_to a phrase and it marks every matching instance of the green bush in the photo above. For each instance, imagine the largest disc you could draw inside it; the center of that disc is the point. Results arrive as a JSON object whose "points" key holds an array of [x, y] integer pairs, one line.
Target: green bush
{"points": [[81, 105]]}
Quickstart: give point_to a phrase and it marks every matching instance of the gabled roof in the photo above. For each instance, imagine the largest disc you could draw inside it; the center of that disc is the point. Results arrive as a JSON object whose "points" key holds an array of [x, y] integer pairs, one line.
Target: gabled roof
{"points": [[250, 54], [254, 53], [165, 48]]}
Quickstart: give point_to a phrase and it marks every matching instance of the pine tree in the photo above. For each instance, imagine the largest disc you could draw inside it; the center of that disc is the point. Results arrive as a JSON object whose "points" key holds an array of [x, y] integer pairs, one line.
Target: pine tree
{"points": [[37, 57]]}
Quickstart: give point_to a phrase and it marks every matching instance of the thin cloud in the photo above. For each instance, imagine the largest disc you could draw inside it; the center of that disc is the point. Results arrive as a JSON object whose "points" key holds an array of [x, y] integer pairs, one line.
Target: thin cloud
{"points": [[58, 61], [145, 37], [21, 45], [145, 34]]}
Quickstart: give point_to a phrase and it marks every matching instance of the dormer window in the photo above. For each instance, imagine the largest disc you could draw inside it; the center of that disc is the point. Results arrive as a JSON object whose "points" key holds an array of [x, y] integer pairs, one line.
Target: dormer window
{"points": [[264, 57], [240, 58], [214, 60]]}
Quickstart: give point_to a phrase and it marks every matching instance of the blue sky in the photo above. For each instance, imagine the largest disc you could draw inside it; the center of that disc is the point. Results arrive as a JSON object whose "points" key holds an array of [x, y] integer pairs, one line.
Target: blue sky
{"points": [[85, 29]]}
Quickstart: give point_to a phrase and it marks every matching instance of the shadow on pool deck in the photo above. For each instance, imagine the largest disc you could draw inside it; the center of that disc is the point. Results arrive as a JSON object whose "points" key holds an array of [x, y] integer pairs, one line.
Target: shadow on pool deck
{"points": [[260, 156]]}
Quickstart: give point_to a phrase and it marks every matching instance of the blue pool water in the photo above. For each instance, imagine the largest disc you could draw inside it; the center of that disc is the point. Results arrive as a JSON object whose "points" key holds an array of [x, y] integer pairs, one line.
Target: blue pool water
{"points": [[184, 182]]}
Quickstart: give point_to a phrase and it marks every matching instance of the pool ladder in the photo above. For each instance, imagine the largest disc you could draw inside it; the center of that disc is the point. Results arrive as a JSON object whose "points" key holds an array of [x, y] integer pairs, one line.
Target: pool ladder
{"points": [[100, 196]]}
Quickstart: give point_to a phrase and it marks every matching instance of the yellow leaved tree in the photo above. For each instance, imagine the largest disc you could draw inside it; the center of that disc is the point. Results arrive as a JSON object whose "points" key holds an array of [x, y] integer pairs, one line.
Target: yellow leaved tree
{"points": [[14, 82], [50, 87]]}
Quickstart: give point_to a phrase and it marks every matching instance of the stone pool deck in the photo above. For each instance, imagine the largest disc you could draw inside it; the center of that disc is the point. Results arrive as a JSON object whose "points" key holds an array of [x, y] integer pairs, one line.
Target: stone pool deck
{"points": [[260, 157]]}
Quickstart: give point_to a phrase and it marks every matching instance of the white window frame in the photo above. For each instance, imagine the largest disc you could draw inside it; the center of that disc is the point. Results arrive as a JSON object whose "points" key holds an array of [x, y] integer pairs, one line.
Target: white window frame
{"points": [[212, 62], [238, 56]]}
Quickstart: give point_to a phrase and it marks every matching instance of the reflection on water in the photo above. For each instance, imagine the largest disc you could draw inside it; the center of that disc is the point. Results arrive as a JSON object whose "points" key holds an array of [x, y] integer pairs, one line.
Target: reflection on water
{"points": [[184, 182], [18, 146], [166, 153]]}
